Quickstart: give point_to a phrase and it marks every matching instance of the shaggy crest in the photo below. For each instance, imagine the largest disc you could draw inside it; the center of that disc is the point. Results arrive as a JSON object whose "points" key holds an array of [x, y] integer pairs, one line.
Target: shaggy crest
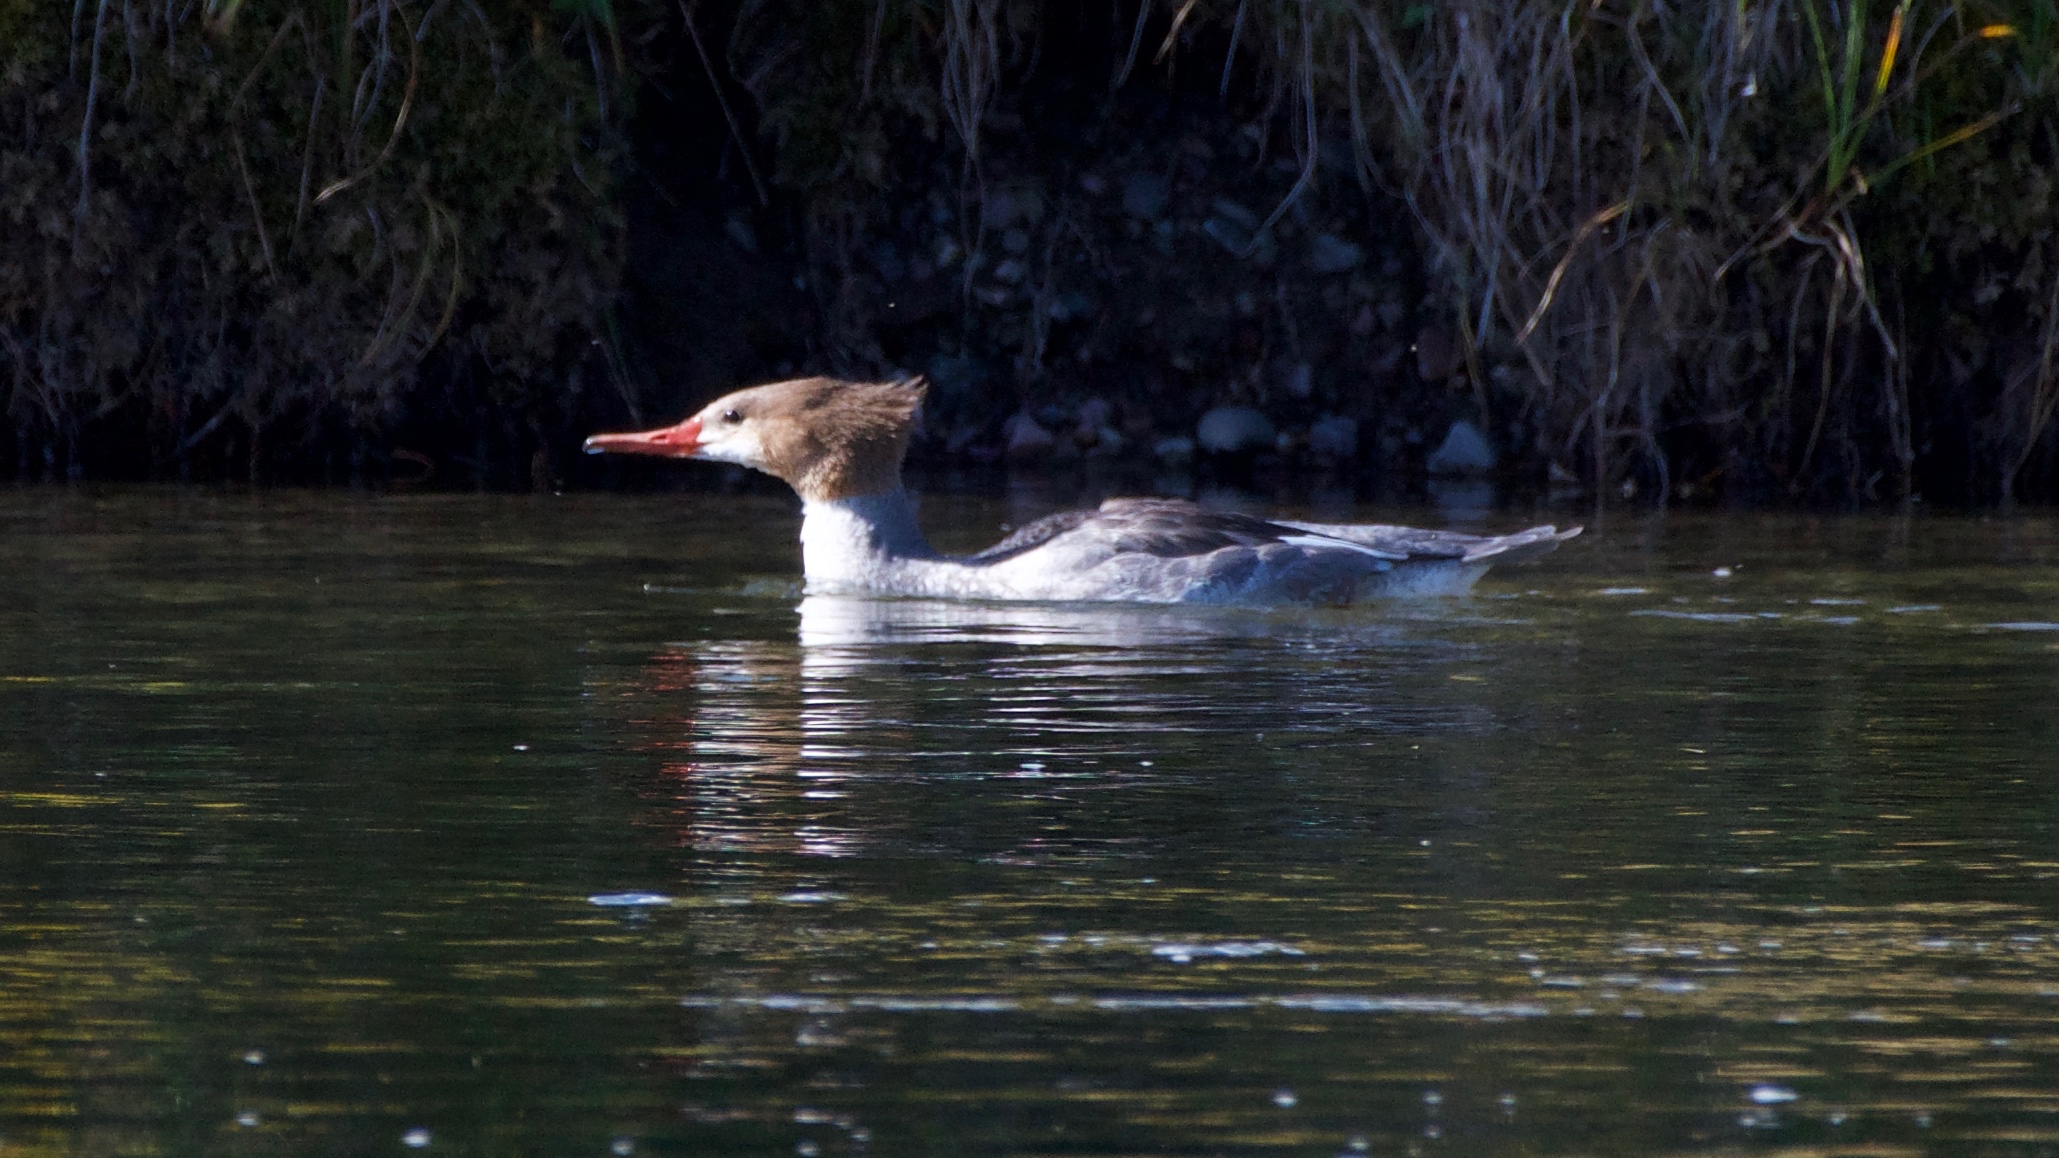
{"points": [[830, 439]]}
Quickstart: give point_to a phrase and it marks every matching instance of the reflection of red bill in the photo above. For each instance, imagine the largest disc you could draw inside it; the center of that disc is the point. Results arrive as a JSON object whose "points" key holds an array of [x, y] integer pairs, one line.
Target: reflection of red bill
{"points": [[681, 441]]}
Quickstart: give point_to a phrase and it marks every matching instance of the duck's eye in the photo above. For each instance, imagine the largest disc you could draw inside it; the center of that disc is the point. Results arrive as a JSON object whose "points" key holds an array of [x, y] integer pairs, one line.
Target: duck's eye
{"points": [[732, 417]]}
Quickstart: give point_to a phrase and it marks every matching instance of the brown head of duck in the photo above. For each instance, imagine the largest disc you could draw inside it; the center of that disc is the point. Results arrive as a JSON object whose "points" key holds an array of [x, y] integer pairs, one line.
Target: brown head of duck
{"points": [[828, 439]]}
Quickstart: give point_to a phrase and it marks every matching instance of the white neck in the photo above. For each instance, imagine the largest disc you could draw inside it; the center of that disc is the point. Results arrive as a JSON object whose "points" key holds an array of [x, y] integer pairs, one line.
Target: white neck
{"points": [[859, 543]]}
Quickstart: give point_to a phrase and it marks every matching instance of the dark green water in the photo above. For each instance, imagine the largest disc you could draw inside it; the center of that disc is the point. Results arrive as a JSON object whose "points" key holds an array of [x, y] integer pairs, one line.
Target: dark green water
{"points": [[308, 802]]}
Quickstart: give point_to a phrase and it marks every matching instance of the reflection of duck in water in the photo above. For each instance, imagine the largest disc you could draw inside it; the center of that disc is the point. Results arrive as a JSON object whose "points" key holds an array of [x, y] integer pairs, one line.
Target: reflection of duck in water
{"points": [[840, 444]]}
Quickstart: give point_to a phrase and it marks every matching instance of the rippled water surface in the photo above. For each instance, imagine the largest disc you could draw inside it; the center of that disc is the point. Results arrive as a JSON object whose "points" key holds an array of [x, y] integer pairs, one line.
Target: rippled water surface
{"points": [[559, 826]]}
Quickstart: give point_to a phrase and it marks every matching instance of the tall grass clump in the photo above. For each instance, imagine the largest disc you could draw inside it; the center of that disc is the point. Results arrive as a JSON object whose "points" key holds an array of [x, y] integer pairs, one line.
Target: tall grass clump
{"points": [[238, 230]]}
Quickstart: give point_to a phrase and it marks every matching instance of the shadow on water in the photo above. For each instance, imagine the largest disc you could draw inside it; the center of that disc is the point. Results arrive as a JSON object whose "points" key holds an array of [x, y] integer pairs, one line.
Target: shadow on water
{"points": [[515, 823]]}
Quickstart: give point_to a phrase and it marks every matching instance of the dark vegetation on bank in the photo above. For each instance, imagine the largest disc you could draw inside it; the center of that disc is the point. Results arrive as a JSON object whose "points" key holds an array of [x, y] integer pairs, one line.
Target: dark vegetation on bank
{"points": [[1741, 251]]}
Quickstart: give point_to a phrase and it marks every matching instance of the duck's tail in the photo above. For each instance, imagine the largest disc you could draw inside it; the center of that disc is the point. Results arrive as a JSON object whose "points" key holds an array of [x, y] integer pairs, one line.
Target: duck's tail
{"points": [[1519, 546]]}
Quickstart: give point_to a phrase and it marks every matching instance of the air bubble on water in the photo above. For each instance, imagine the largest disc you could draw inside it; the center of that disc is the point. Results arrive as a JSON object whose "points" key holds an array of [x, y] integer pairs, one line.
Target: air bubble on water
{"points": [[1772, 1095], [1433, 1130], [807, 1148], [1144, 763], [1723, 572], [1032, 766], [415, 1139], [247, 1118], [1923, 1119], [521, 747], [1285, 1099], [1837, 1118], [1508, 1103], [255, 1057], [1432, 1098], [622, 1147]]}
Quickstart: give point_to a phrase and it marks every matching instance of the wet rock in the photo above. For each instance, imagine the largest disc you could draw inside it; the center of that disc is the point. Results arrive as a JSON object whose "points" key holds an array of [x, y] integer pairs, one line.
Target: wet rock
{"points": [[1011, 271], [1329, 253], [1175, 450], [1464, 451], [1235, 238], [1094, 413], [1014, 207], [886, 261], [1069, 305], [1233, 430], [1144, 195], [1334, 436], [1015, 241], [1025, 438], [955, 377], [1232, 212]]}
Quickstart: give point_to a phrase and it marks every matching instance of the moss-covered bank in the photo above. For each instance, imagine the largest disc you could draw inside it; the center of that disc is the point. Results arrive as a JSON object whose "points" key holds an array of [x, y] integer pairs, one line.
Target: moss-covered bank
{"points": [[1798, 248]]}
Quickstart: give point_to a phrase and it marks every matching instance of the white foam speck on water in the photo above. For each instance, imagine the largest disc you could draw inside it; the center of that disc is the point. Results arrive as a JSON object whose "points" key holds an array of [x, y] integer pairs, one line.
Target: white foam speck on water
{"points": [[1285, 1099], [2023, 625], [1827, 602], [247, 1119], [1624, 591], [622, 1147], [415, 1139], [1345, 1003], [1704, 616], [255, 1057], [811, 898], [1174, 1002], [937, 1004], [1182, 953], [628, 900], [1914, 608]]}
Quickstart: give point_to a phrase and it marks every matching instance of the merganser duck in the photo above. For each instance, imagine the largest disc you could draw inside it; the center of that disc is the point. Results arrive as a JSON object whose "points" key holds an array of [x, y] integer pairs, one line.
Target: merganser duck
{"points": [[840, 444]]}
